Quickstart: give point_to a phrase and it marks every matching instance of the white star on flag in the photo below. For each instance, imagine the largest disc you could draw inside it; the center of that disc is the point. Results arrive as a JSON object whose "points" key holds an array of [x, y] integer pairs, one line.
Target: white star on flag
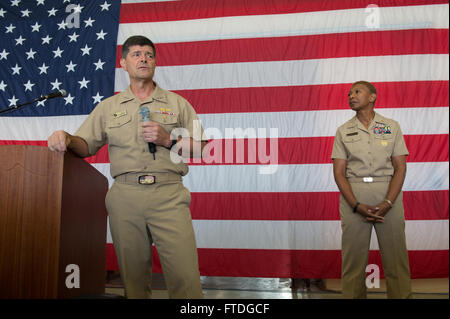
{"points": [[52, 12], [58, 52], [99, 64], [16, 69], [20, 40], [97, 98], [55, 84], [83, 83], [25, 13], [62, 25], [46, 39], [10, 28], [35, 27], [77, 9], [13, 101], [28, 86], [101, 35], [73, 37], [86, 50], [71, 67], [105, 6], [3, 86], [89, 22], [43, 68], [30, 54], [69, 99], [4, 55]]}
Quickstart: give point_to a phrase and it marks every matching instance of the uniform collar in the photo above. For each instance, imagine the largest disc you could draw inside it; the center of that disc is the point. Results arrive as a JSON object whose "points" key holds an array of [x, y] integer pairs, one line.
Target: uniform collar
{"points": [[157, 95], [354, 123]]}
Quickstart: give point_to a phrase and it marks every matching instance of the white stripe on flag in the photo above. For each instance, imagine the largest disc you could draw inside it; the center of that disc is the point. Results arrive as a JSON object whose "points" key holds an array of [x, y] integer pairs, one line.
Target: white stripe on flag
{"points": [[306, 235], [289, 124], [293, 178], [320, 123], [392, 68], [38, 128], [277, 25]]}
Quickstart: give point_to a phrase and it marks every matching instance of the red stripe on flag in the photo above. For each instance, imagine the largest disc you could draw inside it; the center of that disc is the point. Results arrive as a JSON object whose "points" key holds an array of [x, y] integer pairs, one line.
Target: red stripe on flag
{"points": [[427, 148], [314, 97], [306, 263], [202, 9], [308, 150], [419, 205], [299, 150], [12, 142], [323, 46], [293, 263]]}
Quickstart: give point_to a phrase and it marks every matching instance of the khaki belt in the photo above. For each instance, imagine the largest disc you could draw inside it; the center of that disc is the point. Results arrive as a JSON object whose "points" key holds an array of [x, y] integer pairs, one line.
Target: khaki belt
{"points": [[147, 178], [369, 179]]}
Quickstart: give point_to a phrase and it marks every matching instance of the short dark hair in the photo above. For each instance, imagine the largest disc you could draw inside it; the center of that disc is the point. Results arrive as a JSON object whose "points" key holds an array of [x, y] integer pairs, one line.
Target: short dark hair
{"points": [[136, 40], [368, 85]]}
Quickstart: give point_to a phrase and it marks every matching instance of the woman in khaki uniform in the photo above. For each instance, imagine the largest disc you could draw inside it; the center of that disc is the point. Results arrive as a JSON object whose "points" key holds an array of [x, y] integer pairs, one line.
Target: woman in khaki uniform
{"points": [[369, 165]]}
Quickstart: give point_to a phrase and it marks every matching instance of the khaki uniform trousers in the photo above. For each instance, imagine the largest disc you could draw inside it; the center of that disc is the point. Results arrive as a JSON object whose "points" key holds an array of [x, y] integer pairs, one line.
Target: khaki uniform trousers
{"points": [[140, 215], [356, 233]]}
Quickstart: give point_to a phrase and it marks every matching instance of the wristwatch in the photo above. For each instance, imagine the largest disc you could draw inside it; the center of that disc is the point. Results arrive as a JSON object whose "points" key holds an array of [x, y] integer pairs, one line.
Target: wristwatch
{"points": [[172, 144]]}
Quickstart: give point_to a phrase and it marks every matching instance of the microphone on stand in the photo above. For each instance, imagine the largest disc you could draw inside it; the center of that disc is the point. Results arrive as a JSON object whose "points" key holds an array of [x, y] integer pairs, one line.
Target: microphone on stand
{"points": [[145, 113], [60, 93]]}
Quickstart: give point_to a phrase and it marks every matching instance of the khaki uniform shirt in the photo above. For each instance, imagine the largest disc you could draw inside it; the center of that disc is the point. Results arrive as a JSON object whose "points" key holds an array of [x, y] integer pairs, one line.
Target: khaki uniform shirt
{"points": [[116, 122], [368, 152]]}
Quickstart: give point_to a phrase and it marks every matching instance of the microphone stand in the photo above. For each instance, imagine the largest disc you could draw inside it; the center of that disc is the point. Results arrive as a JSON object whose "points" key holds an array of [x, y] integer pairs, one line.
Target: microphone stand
{"points": [[16, 107]]}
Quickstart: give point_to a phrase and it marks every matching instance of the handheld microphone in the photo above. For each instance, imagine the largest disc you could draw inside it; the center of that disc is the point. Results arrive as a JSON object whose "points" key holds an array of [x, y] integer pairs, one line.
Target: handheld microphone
{"points": [[60, 93], [145, 113]]}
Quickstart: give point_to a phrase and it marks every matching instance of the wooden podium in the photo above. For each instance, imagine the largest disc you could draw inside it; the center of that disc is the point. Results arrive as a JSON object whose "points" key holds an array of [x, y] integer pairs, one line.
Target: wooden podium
{"points": [[52, 214]]}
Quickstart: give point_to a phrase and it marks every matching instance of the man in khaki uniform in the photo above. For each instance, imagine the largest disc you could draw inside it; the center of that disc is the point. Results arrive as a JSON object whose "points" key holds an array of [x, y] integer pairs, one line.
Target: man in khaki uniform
{"points": [[369, 164], [147, 202]]}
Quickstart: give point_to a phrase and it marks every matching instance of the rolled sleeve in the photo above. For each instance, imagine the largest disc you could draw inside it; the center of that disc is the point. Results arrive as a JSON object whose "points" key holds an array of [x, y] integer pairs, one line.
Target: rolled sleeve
{"points": [[93, 130], [399, 144], [338, 147]]}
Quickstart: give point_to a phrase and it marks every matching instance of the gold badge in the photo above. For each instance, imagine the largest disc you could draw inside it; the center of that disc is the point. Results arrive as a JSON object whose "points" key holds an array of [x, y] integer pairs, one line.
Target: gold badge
{"points": [[119, 114]]}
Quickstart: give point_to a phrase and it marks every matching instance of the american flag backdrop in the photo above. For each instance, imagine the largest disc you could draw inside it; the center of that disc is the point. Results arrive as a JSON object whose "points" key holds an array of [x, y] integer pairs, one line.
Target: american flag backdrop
{"points": [[269, 80]]}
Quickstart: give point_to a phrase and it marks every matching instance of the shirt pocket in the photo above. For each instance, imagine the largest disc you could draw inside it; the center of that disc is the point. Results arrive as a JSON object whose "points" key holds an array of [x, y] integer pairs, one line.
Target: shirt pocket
{"points": [[169, 122], [352, 144], [119, 130], [384, 143]]}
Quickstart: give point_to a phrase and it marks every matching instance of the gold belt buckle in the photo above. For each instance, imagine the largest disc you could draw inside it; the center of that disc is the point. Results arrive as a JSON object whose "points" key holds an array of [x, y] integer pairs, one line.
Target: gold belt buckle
{"points": [[146, 179]]}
